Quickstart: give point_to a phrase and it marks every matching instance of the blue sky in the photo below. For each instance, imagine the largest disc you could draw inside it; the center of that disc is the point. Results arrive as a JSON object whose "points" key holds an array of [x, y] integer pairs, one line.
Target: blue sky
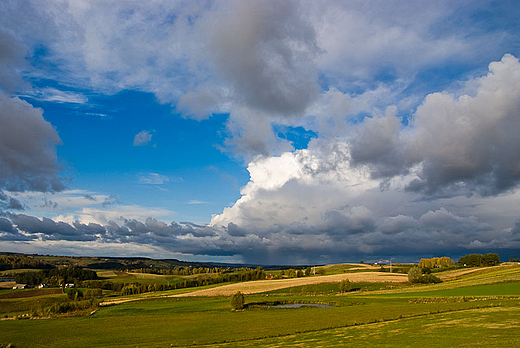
{"points": [[180, 167], [260, 131]]}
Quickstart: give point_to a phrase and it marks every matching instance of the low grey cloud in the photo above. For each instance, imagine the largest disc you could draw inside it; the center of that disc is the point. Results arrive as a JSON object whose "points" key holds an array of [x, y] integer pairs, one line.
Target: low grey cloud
{"points": [[10, 203], [28, 158], [110, 200], [6, 226], [47, 228], [47, 203], [15, 204], [353, 234], [90, 198]]}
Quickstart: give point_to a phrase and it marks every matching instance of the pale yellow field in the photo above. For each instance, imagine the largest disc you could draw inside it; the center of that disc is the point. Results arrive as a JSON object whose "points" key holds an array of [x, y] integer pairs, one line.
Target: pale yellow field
{"points": [[257, 286]]}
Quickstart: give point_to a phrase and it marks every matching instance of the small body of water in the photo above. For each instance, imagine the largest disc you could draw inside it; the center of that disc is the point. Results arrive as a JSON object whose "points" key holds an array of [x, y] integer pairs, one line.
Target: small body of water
{"points": [[299, 305]]}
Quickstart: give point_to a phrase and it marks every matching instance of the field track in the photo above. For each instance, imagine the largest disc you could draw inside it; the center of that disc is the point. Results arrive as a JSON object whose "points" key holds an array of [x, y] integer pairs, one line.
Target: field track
{"points": [[253, 287]]}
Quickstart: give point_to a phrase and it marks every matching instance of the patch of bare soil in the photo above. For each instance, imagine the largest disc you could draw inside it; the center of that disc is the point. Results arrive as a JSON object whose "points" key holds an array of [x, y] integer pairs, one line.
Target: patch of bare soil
{"points": [[31, 293]]}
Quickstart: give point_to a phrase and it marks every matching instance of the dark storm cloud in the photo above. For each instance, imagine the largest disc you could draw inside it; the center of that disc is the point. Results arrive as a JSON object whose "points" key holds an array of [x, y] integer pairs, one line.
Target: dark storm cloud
{"points": [[6, 226], [48, 229], [347, 234]]}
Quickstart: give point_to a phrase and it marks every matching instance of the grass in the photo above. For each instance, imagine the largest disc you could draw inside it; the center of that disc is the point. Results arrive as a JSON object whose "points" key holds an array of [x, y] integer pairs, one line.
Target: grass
{"points": [[331, 288], [379, 318], [162, 322], [497, 289], [18, 306], [496, 327]]}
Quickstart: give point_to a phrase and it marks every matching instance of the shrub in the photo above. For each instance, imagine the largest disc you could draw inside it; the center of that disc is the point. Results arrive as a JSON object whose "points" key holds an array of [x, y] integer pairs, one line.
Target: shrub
{"points": [[345, 285], [429, 278], [414, 275], [237, 301], [93, 293], [75, 294]]}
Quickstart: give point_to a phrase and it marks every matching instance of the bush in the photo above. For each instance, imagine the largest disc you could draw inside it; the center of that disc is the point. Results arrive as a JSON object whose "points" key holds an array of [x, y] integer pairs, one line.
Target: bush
{"points": [[93, 293], [237, 301], [345, 285], [414, 275], [429, 278], [75, 294]]}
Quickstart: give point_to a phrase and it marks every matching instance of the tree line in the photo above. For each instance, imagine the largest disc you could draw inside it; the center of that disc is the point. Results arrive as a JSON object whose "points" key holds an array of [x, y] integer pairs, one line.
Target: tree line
{"points": [[181, 270], [56, 276], [479, 260], [8, 262]]}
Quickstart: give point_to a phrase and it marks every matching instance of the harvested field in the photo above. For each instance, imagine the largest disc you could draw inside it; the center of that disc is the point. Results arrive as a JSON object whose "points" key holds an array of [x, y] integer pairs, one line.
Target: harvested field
{"points": [[7, 285], [31, 293], [451, 275], [457, 273], [121, 274], [253, 287]]}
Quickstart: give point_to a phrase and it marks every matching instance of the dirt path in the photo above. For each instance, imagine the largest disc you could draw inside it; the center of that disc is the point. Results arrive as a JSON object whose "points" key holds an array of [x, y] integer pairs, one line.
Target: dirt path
{"points": [[253, 287]]}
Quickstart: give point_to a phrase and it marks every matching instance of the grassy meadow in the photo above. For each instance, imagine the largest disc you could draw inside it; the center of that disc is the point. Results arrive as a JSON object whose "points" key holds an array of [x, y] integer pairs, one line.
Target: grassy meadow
{"points": [[483, 304]]}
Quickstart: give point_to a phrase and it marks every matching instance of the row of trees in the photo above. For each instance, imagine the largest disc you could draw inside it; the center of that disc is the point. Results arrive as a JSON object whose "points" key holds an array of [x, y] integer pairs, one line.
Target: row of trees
{"points": [[57, 276], [8, 262], [183, 271], [297, 273], [479, 260], [138, 288], [436, 262]]}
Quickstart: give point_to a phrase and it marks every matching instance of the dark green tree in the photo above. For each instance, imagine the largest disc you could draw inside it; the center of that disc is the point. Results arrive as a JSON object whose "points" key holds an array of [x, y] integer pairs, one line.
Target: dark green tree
{"points": [[414, 275], [490, 259], [345, 285], [237, 301]]}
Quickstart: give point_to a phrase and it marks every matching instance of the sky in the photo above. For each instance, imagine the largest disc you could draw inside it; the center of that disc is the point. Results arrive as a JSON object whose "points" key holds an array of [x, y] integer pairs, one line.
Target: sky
{"points": [[262, 132]]}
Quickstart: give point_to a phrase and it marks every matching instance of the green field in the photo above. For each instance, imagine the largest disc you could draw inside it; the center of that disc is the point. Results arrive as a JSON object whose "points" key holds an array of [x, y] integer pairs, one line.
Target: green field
{"points": [[483, 305]]}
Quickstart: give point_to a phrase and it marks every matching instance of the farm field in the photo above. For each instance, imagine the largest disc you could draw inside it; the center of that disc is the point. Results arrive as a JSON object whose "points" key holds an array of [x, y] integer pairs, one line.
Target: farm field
{"points": [[268, 285], [484, 305], [142, 278]]}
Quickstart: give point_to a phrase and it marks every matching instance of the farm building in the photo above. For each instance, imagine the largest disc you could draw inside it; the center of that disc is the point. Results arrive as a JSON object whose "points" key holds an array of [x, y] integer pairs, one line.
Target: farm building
{"points": [[20, 286]]}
